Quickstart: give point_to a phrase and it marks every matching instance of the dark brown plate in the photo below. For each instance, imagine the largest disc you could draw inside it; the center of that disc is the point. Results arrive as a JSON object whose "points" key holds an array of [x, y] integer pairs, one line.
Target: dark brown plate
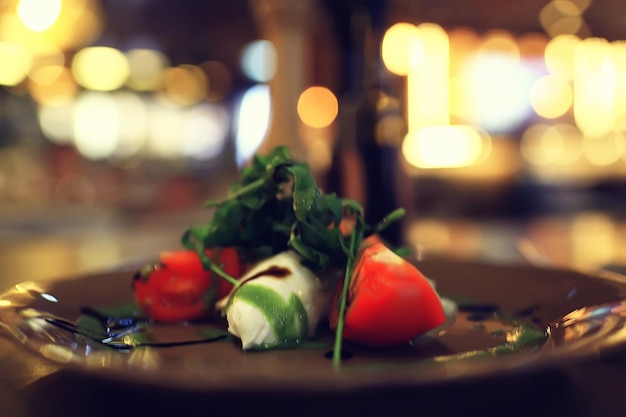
{"points": [[582, 316]]}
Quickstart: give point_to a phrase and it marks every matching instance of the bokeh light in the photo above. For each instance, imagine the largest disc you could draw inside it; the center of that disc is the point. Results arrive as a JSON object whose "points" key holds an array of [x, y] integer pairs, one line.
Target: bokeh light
{"points": [[593, 237], [100, 68], [55, 120], [559, 55], [258, 60], [428, 81], [496, 92], [594, 87], [545, 145], [65, 25], [205, 135], [619, 60], [51, 83], [396, 46], [146, 68], [167, 121], [185, 84], [38, 15], [464, 43], [47, 65], [605, 150], [20, 60], [132, 116], [252, 122], [561, 17], [317, 107], [95, 125], [443, 146], [551, 96], [532, 46]]}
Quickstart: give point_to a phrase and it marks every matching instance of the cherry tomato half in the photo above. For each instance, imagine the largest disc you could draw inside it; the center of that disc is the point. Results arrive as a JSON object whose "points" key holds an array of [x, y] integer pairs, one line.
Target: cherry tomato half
{"points": [[389, 300], [179, 288]]}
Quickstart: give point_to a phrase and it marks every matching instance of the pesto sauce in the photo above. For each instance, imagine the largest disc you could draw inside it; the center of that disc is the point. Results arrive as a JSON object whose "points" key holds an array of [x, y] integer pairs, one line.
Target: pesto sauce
{"points": [[288, 319]]}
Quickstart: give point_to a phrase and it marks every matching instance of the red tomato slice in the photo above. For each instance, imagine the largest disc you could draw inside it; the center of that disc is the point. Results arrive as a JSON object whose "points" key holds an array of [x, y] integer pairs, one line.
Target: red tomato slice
{"points": [[180, 289], [389, 300], [187, 261]]}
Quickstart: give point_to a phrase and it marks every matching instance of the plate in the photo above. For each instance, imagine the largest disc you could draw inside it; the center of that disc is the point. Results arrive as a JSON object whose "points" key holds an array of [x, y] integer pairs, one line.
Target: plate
{"points": [[515, 322]]}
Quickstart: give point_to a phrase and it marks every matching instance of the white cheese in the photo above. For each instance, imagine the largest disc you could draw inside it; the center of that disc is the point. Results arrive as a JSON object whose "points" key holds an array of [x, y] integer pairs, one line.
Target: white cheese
{"points": [[279, 301]]}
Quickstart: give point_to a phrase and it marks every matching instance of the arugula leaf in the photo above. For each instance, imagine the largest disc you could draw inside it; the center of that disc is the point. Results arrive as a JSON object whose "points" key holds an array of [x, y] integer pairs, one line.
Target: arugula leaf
{"points": [[276, 206]]}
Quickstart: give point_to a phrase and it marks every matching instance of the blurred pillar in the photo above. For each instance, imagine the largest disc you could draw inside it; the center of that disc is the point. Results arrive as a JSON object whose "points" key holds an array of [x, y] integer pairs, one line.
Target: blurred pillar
{"points": [[287, 24]]}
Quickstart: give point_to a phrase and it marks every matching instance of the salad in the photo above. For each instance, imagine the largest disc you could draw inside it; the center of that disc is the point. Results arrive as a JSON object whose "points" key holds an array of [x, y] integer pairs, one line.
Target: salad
{"points": [[279, 257]]}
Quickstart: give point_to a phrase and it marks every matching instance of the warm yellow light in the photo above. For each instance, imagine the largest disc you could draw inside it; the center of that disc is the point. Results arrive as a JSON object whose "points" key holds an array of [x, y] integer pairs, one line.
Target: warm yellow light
{"points": [[582, 5], [396, 47], [47, 64], [463, 46], [430, 235], [428, 84], [51, 84], [443, 147], [532, 45], [619, 60], [77, 23], [605, 150], [551, 145], [567, 7], [146, 69], [566, 25], [100, 68], [594, 87], [462, 104], [185, 85], [317, 107], [559, 17], [551, 96], [594, 239], [559, 55], [19, 63], [548, 15], [46, 75], [502, 43], [80, 23], [38, 15]]}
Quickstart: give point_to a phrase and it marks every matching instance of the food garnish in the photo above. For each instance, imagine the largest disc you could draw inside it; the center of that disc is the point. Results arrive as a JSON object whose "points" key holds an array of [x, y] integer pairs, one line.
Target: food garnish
{"points": [[303, 246]]}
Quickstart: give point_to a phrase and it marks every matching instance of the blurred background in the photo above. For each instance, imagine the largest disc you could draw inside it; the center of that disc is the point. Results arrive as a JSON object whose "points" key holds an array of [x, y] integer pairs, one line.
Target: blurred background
{"points": [[491, 122]]}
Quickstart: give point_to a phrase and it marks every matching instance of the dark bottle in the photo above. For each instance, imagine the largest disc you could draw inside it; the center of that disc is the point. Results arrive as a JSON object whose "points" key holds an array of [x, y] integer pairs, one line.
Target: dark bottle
{"points": [[363, 167]]}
